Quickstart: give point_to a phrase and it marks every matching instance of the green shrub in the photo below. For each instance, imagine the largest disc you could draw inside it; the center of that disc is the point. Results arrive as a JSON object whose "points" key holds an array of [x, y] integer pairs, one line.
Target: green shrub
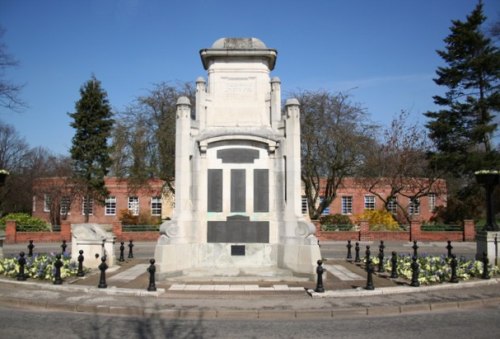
{"points": [[26, 223], [335, 219], [335, 222]]}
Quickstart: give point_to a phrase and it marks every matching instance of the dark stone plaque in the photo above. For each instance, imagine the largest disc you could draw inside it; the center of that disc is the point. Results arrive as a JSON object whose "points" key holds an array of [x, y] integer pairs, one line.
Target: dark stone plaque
{"points": [[238, 190], [238, 250], [214, 191], [261, 190], [238, 229], [238, 155]]}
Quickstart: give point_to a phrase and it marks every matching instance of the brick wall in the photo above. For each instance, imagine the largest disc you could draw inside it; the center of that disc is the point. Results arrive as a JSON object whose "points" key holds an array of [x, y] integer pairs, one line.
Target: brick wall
{"points": [[415, 233], [12, 236]]}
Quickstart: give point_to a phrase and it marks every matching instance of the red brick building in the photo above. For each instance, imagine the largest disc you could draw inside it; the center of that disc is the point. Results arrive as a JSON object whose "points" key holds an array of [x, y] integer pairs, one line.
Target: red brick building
{"points": [[147, 201], [55, 195], [356, 195]]}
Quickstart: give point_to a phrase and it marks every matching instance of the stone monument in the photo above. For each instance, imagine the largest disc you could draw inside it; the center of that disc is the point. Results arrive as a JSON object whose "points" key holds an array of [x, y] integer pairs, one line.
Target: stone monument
{"points": [[237, 173]]}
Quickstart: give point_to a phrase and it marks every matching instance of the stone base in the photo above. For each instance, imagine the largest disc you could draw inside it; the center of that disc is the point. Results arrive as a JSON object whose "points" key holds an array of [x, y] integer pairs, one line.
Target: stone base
{"points": [[235, 260], [485, 243], [90, 238], [300, 258]]}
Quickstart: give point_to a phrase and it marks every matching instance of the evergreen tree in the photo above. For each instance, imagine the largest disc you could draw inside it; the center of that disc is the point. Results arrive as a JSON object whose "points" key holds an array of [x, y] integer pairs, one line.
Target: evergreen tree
{"points": [[90, 151], [463, 128]]}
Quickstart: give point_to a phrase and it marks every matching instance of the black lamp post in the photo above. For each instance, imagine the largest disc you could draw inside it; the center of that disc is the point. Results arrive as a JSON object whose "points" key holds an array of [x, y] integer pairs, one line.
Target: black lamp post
{"points": [[489, 179]]}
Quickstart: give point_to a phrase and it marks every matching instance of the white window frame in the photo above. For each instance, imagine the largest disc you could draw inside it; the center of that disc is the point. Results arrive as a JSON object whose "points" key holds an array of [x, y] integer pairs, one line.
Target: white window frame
{"points": [[133, 205], [46, 202], [370, 205], [90, 207], [110, 205], [65, 199], [414, 209], [303, 205], [392, 206], [346, 204], [432, 201], [156, 206], [326, 211]]}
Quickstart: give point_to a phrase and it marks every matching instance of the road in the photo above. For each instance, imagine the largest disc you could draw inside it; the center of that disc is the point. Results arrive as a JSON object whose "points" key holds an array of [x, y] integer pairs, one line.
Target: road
{"points": [[330, 249], [473, 323]]}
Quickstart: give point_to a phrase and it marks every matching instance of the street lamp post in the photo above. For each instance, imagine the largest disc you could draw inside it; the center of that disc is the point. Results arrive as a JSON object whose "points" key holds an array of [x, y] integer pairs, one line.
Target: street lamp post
{"points": [[489, 180]]}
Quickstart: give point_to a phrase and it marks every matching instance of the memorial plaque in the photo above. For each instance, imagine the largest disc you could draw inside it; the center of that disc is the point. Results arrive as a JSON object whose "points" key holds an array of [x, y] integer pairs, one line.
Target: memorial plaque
{"points": [[214, 191], [261, 190], [238, 190]]}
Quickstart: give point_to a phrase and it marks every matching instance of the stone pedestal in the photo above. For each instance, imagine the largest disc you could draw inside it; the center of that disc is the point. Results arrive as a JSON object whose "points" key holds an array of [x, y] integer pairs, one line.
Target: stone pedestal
{"points": [[95, 242], [486, 243]]}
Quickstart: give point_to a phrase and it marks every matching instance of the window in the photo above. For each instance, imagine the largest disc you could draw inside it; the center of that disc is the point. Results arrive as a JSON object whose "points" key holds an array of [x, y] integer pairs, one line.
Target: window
{"points": [[156, 206], [110, 206], [432, 202], [46, 203], [414, 206], [392, 205], [369, 202], [326, 211], [133, 205], [65, 205], [87, 206], [347, 205], [303, 205]]}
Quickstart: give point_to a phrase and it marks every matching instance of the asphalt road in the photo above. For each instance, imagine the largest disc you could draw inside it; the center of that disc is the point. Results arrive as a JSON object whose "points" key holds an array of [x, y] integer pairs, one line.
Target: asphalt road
{"points": [[473, 323], [331, 249]]}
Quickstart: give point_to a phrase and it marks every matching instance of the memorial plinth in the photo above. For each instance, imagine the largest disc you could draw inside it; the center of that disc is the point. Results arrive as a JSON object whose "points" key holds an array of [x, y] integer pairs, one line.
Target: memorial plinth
{"points": [[95, 242]]}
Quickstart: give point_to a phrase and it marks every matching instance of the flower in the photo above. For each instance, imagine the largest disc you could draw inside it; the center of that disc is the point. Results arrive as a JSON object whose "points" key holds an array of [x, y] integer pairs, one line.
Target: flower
{"points": [[486, 172], [2, 171]]}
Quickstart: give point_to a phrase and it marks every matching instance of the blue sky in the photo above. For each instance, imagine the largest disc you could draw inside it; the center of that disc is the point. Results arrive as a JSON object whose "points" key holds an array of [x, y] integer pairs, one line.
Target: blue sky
{"points": [[382, 52]]}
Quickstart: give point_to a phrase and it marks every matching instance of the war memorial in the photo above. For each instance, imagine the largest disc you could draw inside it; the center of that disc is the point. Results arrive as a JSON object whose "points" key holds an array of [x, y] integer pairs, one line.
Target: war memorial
{"points": [[237, 175]]}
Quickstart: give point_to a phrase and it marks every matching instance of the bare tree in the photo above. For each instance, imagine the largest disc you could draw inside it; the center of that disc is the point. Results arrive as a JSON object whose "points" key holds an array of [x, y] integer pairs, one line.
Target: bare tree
{"points": [[399, 164], [25, 166], [9, 91], [144, 137], [335, 135]]}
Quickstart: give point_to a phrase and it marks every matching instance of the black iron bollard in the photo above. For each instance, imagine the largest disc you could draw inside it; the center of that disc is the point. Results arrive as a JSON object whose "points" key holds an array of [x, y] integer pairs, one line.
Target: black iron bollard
{"points": [[369, 275], [349, 246], [63, 246], [381, 260], [57, 270], [356, 250], [152, 271], [30, 248], [449, 248], [367, 254], [453, 265], [319, 283], [415, 271], [80, 272], [122, 249], [381, 247], [415, 248], [394, 265], [103, 267], [486, 272], [130, 252], [21, 261]]}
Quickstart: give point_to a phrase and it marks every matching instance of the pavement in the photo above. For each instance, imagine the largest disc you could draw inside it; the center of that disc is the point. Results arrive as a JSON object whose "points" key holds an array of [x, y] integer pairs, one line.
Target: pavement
{"points": [[250, 297]]}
